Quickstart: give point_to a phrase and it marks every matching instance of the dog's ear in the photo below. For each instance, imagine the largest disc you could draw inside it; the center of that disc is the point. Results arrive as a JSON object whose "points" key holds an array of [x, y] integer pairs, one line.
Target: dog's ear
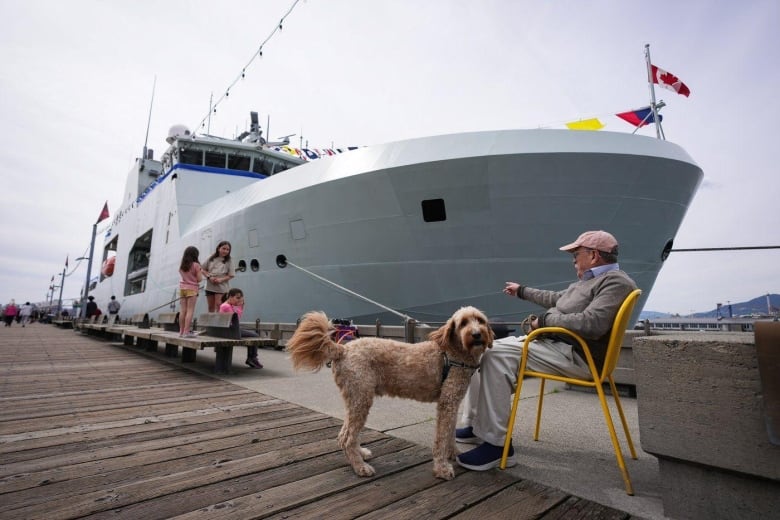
{"points": [[491, 337], [443, 335]]}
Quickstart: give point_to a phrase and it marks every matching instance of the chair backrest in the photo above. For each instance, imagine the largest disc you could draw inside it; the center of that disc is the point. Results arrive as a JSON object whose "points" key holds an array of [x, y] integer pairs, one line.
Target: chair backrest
{"points": [[619, 327]]}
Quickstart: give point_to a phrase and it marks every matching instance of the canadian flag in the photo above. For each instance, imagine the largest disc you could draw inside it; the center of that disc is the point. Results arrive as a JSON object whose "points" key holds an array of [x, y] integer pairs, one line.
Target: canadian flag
{"points": [[670, 81]]}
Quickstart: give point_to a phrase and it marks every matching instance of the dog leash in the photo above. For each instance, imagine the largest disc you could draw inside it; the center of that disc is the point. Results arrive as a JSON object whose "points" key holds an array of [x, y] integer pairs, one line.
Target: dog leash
{"points": [[448, 363]]}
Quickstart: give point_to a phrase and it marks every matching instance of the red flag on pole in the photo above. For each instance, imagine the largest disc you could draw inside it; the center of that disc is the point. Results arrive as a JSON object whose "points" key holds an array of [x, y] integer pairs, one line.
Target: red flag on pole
{"points": [[670, 81], [103, 214]]}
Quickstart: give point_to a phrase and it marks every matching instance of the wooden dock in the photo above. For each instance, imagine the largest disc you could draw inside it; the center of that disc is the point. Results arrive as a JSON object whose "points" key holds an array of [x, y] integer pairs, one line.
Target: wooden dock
{"points": [[92, 429]]}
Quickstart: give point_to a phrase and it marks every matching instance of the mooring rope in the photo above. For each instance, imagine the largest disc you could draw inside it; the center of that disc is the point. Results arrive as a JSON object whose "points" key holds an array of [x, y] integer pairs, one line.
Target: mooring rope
{"points": [[282, 262]]}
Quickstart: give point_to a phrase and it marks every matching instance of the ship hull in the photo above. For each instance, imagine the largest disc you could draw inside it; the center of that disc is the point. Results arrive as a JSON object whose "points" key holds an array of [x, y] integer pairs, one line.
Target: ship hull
{"points": [[418, 227]]}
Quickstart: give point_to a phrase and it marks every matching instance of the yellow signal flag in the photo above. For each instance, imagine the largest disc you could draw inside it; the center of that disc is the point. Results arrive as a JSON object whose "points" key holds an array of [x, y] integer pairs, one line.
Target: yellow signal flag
{"points": [[586, 124]]}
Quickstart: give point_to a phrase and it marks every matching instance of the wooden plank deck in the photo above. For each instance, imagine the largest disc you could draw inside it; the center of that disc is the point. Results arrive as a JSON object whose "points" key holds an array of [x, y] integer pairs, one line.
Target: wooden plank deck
{"points": [[91, 429]]}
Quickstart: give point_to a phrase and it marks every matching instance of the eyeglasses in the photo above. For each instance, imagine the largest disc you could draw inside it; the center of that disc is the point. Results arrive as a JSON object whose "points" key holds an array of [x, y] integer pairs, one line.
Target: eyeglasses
{"points": [[578, 251]]}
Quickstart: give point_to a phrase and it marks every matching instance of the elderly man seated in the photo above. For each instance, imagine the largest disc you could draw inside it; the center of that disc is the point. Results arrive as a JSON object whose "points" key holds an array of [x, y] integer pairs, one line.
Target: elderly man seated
{"points": [[587, 307]]}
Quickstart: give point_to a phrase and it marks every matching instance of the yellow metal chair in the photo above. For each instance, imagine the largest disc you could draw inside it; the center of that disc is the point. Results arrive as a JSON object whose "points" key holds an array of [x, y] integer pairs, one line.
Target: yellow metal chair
{"points": [[598, 378]]}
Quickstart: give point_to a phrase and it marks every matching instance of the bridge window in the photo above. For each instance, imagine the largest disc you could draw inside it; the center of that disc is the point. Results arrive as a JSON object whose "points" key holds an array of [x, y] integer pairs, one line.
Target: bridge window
{"points": [[238, 162], [188, 156], [215, 159]]}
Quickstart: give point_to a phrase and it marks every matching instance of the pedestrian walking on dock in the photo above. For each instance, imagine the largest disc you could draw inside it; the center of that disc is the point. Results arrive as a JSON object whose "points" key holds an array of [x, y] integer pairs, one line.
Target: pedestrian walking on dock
{"points": [[114, 306], [191, 276], [10, 312], [218, 271], [25, 312]]}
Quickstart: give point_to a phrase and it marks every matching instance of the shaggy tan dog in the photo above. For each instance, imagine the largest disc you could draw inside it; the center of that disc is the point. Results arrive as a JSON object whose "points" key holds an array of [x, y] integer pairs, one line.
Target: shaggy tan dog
{"points": [[435, 370]]}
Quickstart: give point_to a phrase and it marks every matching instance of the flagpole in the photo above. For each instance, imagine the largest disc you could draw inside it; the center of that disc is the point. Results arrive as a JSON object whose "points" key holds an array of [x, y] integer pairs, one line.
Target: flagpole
{"points": [[89, 271], [62, 284], [641, 123], [652, 91]]}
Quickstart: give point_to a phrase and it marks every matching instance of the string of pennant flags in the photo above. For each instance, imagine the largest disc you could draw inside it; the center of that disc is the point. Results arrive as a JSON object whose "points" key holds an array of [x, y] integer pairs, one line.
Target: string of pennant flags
{"points": [[637, 117], [641, 116]]}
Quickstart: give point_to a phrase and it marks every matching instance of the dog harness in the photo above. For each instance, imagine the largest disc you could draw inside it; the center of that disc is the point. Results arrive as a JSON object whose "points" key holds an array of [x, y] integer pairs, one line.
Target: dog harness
{"points": [[449, 363]]}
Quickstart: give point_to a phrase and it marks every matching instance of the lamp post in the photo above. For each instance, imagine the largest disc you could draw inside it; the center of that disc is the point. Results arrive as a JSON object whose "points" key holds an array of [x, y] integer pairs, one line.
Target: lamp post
{"points": [[89, 271], [62, 284], [77, 305], [103, 215], [50, 294]]}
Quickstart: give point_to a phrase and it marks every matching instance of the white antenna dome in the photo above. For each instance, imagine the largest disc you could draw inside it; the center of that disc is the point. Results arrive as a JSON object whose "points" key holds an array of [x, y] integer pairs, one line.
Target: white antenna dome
{"points": [[177, 131]]}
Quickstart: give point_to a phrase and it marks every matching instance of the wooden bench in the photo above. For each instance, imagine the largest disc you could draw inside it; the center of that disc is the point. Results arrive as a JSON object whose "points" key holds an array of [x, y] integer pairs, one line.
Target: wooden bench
{"points": [[63, 322], [169, 321], [81, 323], [222, 333], [139, 332], [99, 327], [279, 332]]}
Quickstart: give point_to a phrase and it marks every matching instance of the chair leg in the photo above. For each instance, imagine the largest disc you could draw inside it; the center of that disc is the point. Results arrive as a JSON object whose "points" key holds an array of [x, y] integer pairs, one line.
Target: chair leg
{"points": [[539, 409], [613, 437], [622, 418], [510, 427]]}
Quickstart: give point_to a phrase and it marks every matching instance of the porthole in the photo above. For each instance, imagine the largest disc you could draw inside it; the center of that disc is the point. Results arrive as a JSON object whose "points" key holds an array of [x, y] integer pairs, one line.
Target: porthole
{"points": [[254, 265]]}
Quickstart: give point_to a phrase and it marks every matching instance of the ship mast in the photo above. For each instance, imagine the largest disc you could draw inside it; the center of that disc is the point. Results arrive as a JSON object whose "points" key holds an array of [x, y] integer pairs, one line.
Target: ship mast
{"points": [[149, 120], [659, 132]]}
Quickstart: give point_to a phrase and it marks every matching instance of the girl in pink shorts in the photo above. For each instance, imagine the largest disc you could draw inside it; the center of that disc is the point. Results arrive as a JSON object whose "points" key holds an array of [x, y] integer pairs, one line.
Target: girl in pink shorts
{"points": [[191, 276]]}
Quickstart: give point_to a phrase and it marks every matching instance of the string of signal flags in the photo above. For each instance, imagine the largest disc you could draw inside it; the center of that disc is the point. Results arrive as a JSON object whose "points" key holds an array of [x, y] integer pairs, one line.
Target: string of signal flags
{"points": [[646, 115]]}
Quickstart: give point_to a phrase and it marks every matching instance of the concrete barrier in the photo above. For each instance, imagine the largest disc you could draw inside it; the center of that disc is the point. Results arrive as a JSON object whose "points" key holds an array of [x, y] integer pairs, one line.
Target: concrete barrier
{"points": [[701, 412]]}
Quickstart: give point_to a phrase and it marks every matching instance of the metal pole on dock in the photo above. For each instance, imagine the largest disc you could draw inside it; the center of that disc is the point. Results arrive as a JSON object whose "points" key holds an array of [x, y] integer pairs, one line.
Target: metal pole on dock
{"points": [[62, 284], [89, 271]]}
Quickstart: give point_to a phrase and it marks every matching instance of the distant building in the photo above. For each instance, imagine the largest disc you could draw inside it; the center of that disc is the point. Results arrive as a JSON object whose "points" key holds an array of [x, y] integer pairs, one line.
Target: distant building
{"points": [[692, 323]]}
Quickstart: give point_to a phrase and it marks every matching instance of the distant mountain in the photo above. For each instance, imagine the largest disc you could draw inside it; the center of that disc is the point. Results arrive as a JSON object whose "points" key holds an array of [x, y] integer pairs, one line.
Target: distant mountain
{"points": [[756, 306], [652, 315]]}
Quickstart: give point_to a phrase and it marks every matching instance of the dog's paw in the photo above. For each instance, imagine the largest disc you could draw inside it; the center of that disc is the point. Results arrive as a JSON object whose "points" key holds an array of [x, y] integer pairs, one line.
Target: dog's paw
{"points": [[443, 471], [364, 470], [365, 453]]}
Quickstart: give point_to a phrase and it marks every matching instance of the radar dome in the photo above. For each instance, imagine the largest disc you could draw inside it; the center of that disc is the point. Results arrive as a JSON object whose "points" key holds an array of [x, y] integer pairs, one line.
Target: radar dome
{"points": [[177, 131]]}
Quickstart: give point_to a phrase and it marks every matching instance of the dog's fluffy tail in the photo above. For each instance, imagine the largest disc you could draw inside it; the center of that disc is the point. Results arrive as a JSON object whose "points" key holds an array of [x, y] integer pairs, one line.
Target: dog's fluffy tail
{"points": [[312, 346]]}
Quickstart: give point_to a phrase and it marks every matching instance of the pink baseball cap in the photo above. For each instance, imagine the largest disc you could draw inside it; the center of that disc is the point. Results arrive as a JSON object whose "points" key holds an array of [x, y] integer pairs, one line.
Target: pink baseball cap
{"points": [[598, 240]]}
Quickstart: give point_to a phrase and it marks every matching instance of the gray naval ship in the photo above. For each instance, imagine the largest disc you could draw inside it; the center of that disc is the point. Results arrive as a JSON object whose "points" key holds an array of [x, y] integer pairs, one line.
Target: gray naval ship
{"points": [[411, 228]]}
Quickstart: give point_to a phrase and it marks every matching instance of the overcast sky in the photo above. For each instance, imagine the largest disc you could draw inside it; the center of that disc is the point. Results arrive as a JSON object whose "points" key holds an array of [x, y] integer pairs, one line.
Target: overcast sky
{"points": [[76, 83]]}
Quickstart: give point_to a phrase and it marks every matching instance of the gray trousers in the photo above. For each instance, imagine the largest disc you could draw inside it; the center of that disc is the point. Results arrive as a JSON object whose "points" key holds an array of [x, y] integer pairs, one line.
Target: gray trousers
{"points": [[488, 400]]}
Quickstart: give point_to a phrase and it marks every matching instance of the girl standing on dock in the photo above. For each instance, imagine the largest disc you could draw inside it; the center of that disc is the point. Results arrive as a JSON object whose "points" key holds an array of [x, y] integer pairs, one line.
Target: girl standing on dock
{"points": [[191, 276], [218, 270]]}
